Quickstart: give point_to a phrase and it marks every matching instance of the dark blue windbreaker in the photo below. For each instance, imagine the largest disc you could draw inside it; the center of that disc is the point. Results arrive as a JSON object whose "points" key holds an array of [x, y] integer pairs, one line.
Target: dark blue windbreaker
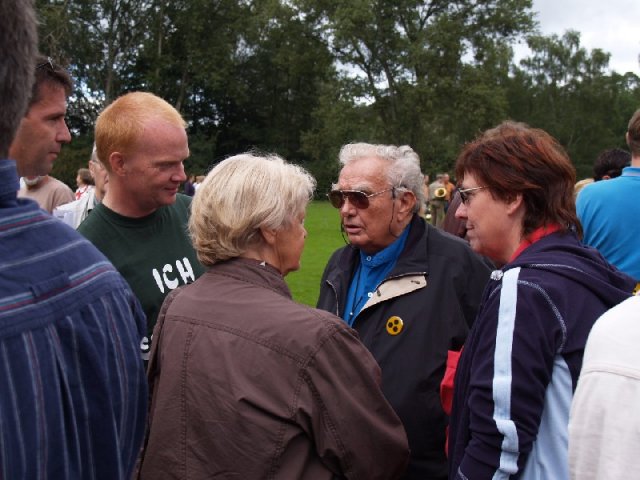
{"points": [[521, 361]]}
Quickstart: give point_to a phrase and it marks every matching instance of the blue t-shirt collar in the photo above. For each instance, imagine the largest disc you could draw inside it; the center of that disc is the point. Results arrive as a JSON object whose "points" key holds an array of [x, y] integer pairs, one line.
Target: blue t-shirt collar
{"points": [[387, 254]]}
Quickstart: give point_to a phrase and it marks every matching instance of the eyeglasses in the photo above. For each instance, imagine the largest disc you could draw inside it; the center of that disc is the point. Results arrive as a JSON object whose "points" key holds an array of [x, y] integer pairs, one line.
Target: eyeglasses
{"points": [[357, 198], [465, 193], [49, 62]]}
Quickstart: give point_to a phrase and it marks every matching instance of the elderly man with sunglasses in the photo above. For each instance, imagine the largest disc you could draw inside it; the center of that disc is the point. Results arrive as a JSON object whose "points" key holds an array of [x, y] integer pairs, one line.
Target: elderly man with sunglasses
{"points": [[410, 290]]}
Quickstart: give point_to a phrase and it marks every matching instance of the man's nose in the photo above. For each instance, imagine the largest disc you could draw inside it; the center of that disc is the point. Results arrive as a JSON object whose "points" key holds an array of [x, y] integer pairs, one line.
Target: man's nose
{"points": [[347, 207], [64, 135], [179, 175]]}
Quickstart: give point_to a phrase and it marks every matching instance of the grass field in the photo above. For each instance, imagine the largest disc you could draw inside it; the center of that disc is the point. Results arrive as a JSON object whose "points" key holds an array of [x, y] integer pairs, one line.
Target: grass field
{"points": [[323, 227]]}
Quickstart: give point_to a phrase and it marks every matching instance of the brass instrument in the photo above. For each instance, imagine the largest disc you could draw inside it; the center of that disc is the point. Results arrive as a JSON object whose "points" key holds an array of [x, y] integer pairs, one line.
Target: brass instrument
{"points": [[440, 193]]}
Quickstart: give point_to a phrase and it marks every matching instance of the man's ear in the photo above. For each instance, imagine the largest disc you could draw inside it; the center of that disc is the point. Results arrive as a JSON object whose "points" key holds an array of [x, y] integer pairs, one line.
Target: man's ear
{"points": [[406, 202], [117, 164]]}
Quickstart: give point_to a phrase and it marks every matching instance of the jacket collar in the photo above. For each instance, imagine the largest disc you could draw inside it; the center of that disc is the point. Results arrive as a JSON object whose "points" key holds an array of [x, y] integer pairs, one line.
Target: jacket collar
{"points": [[254, 272], [9, 183], [413, 259]]}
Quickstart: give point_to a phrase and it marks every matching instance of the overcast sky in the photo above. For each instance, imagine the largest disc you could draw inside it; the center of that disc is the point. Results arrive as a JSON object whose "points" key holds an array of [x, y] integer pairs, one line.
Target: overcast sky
{"points": [[613, 26]]}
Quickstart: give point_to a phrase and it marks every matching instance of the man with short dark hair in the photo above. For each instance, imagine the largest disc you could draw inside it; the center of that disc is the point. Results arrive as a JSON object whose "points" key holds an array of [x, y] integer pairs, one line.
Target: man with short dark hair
{"points": [[609, 211], [609, 164], [43, 130], [410, 290], [72, 388], [41, 134]]}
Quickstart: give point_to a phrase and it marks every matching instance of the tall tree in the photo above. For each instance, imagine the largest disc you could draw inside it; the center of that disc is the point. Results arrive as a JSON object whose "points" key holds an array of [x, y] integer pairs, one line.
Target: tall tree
{"points": [[566, 90], [415, 62], [303, 77], [99, 40]]}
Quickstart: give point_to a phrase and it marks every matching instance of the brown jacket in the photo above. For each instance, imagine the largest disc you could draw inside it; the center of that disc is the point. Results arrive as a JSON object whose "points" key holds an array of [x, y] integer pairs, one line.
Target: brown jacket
{"points": [[247, 384]]}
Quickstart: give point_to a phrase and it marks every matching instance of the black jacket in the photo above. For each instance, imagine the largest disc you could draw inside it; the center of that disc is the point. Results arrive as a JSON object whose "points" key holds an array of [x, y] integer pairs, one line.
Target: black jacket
{"points": [[434, 290]]}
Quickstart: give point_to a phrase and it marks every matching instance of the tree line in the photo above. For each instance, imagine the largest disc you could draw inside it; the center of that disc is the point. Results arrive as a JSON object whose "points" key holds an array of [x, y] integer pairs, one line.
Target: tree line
{"points": [[303, 77]]}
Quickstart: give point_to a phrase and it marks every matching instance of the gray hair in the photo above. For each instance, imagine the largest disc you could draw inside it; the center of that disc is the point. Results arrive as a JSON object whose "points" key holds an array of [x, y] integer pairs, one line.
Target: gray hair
{"points": [[18, 44], [403, 165], [241, 195], [94, 156]]}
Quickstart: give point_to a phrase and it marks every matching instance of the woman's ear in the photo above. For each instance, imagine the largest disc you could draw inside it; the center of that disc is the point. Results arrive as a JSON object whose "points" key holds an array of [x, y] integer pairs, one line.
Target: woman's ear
{"points": [[269, 234], [515, 203]]}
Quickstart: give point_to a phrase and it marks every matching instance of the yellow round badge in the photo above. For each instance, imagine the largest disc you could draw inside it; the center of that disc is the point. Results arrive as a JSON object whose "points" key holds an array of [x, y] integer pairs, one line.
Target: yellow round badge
{"points": [[394, 325]]}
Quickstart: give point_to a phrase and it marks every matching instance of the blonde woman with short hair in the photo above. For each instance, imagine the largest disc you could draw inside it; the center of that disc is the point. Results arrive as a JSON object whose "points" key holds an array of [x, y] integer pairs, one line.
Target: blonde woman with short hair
{"points": [[245, 382]]}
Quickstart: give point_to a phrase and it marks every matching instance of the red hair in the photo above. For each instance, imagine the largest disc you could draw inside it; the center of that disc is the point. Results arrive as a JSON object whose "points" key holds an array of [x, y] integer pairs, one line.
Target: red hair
{"points": [[513, 159]]}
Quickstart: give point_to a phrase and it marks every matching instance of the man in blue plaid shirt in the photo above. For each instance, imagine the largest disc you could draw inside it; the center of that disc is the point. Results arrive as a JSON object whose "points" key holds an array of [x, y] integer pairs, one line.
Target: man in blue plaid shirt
{"points": [[72, 388]]}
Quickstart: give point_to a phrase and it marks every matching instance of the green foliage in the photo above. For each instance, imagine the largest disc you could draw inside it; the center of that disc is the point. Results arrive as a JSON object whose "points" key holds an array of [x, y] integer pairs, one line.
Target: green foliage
{"points": [[566, 91], [72, 157], [202, 150], [337, 120], [323, 238], [404, 60], [303, 77]]}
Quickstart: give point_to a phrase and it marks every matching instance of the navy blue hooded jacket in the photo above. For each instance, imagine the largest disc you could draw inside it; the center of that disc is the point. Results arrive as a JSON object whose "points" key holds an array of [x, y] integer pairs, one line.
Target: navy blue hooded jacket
{"points": [[521, 362]]}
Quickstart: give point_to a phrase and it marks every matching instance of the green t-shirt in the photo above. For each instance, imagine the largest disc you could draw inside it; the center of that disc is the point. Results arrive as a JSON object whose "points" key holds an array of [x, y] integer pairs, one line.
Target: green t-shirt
{"points": [[153, 253]]}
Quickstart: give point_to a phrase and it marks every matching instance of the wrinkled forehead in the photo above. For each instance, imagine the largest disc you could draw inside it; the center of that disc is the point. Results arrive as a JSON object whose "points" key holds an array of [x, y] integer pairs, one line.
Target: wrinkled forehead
{"points": [[365, 173]]}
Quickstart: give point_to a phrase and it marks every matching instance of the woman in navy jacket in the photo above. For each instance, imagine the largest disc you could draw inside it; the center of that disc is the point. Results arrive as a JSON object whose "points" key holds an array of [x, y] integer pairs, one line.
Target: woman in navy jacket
{"points": [[521, 361]]}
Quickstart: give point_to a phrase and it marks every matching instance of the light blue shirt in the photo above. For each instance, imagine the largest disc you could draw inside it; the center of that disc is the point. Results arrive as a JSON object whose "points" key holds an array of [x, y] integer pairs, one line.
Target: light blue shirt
{"points": [[371, 271], [609, 211]]}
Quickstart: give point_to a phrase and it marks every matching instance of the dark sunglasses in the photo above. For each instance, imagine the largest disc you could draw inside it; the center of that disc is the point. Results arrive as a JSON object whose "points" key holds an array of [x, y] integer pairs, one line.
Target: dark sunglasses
{"points": [[47, 63], [356, 198]]}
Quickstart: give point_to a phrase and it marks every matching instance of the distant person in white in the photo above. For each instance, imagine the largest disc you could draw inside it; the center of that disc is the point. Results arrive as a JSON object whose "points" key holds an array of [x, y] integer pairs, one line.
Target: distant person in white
{"points": [[74, 213], [604, 427]]}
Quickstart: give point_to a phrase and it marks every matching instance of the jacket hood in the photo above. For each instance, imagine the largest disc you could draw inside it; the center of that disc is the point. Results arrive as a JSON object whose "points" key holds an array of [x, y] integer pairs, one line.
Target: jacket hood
{"points": [[562, 254]]}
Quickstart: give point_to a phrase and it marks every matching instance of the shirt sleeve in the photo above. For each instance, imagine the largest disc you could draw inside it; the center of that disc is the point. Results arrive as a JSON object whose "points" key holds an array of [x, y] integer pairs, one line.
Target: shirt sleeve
{"points": [[61, 196], [605, 419]]}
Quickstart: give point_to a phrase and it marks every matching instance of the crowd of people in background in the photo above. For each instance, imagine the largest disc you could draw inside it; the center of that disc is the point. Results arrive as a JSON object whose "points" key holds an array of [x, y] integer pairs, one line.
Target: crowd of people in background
{"points": [[471, 329]]}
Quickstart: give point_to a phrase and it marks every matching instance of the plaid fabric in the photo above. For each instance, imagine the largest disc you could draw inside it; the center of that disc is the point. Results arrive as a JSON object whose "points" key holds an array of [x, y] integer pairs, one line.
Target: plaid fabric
{"points": [[72, 389]]}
